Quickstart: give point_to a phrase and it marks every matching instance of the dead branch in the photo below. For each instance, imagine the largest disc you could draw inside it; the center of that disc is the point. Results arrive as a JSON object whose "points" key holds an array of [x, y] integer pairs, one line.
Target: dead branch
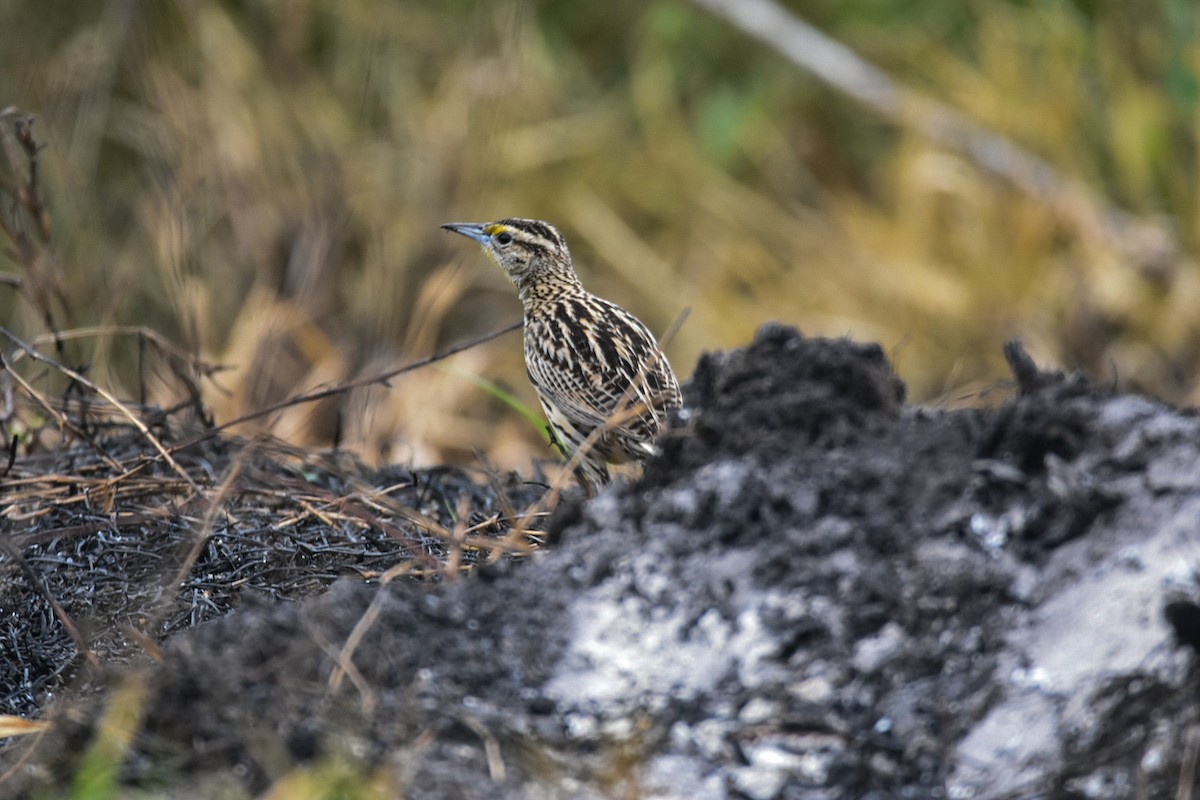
{"points": [[1150, 243], [21, 151], [381, 378]]}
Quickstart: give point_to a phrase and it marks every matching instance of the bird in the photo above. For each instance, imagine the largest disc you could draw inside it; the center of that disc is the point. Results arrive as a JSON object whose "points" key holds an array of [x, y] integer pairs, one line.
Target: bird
{"points": [[602, 379]]}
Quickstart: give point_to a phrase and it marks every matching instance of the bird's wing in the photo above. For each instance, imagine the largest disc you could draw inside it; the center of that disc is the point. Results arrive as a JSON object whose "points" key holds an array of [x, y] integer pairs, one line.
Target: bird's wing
{"points": [[597, 364]]}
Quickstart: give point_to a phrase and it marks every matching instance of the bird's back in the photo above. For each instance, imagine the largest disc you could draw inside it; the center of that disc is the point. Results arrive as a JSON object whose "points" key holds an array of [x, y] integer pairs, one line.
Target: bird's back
{"points": [[594, 364]]}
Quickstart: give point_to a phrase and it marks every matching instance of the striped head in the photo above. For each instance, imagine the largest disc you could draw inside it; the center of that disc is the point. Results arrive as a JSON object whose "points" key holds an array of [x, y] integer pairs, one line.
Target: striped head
{"points": [[532, 253]]}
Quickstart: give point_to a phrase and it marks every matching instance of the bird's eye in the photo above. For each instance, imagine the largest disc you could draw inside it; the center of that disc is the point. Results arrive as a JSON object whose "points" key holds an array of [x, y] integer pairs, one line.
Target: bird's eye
{"points": [[503, 238]]}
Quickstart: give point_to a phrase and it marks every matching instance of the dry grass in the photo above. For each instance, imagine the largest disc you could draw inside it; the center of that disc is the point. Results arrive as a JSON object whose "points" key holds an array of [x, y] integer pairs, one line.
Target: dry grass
{"points": [[262, 185]]}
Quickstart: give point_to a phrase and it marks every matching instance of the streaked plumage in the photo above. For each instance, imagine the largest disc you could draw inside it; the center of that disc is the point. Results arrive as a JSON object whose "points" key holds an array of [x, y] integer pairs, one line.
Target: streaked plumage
{"points": [[594, 365]]}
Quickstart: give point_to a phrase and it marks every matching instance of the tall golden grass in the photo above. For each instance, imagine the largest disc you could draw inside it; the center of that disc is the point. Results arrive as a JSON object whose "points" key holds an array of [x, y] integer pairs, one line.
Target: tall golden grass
{"points": [[263, 183]]}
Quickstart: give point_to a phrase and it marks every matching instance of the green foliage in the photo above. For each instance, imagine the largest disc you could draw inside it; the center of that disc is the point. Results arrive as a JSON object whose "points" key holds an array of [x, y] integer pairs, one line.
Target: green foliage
{"points": [[97, 776], [496, 391]]}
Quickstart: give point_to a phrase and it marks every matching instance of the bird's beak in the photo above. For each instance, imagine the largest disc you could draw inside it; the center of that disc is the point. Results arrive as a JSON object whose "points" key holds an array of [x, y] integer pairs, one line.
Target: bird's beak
{"points": [[469, 229]]}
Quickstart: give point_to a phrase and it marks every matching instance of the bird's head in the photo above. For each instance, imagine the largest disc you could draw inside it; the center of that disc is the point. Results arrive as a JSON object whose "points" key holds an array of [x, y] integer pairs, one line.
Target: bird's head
{"points": [[531, 252]]}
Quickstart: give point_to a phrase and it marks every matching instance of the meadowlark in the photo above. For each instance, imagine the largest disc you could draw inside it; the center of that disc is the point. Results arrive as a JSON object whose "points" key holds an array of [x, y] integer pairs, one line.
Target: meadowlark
{"points": [[602, 379]]}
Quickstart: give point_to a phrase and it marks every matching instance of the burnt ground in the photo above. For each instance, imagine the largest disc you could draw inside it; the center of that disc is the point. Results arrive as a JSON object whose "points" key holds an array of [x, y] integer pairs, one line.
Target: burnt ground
{"points": [[816, 591]]}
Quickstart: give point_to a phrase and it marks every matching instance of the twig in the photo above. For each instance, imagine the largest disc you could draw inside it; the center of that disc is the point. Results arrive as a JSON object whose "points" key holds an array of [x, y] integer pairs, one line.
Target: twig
{"points": [[342, 388], [345, 656], [27, 194], [201, 366], [64, 423], [30, 751], [17, 144], [491, 747], [215, 504], [1187, 767], [347, 667], [457, 539], [124, 409]]}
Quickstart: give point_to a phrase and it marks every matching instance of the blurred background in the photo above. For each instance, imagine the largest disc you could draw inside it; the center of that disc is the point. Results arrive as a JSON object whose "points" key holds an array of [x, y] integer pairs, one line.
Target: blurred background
{"points": [[261, 183]]}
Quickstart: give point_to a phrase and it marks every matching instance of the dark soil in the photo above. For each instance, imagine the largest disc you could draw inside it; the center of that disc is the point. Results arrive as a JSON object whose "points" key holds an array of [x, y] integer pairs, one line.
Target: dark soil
{"points": [[816, 591]]}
